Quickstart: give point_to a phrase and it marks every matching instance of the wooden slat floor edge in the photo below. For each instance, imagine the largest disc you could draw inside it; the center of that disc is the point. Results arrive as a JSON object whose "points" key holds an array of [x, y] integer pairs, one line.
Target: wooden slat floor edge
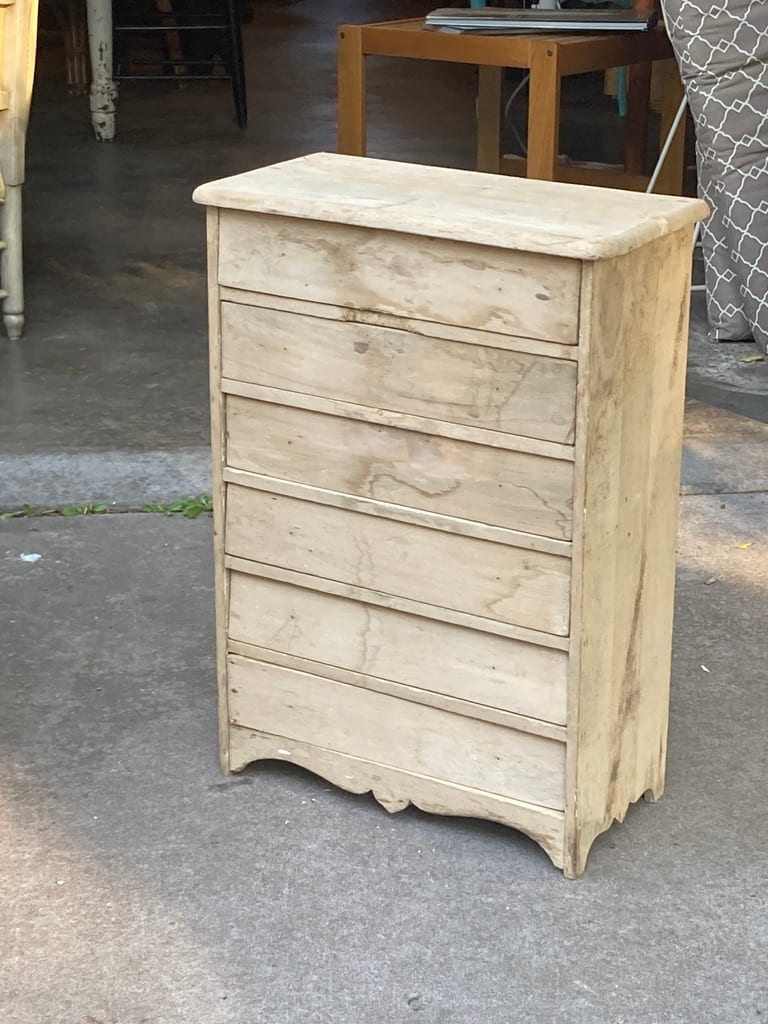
{"points": [[402, 604], [391, 321], [414, 694], [400, 513], [405, 421], [395, 789]]}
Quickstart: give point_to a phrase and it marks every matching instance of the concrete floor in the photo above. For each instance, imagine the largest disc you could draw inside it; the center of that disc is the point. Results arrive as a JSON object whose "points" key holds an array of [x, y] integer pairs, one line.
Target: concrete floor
{"points": [[137, 885]]}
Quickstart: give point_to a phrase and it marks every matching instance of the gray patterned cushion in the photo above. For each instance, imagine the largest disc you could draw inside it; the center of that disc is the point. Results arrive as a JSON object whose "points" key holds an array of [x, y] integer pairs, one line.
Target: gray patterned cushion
{"points": [[722, 50]]}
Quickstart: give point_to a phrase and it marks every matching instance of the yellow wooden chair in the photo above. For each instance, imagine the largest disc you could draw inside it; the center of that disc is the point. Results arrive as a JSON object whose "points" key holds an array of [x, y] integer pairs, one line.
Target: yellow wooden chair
{"points": [[18, 41]]}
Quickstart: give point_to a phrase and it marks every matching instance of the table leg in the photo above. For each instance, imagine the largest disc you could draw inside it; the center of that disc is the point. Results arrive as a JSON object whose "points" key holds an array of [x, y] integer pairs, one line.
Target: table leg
{"points": [[636, 123], [103, 88], [351, 91], [489, 118], [543, 112], [670, 181]]}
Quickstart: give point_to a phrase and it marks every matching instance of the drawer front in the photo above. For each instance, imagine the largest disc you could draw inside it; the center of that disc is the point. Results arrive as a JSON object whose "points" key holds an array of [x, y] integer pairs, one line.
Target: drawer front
{"points": [[436, 656], [399, 734], [384, 368], [524, 492], [519, 293], [496, 581]]}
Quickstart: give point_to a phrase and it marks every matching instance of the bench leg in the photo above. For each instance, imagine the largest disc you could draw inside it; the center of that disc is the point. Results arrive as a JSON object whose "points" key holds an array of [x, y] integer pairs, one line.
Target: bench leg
{"points": [[636, 123], [489, 118], [543, 114], [351, 91]]}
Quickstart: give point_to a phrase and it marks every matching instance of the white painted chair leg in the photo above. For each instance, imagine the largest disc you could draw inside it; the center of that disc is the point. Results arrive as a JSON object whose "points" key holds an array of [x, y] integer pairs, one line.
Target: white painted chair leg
{"points": [[103, 87], [11, 262]]}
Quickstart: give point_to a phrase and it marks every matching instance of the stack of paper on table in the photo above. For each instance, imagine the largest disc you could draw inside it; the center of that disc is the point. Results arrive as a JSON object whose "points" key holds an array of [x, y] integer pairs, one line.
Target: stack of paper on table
{"points": [[499, 21]]}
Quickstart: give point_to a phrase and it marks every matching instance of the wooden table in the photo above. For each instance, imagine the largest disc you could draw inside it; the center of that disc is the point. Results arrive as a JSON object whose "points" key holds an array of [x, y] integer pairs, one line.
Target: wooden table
{"points": [[548, 59]]}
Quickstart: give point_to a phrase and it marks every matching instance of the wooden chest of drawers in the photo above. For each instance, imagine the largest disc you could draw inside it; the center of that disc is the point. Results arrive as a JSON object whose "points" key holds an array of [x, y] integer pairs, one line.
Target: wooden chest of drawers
{"points": [[447, 416]]}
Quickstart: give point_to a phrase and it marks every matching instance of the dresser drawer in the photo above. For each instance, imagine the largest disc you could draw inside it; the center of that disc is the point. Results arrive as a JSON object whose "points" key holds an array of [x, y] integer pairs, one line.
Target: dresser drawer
{"points": [[393, 732], [385, 368], [531, 493], [436, 656], [480, 577], [434, 279]]}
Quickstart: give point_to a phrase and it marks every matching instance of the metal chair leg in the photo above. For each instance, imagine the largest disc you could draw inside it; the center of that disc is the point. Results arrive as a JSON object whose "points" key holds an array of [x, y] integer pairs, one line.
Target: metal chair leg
{"points": [[237, 64]]}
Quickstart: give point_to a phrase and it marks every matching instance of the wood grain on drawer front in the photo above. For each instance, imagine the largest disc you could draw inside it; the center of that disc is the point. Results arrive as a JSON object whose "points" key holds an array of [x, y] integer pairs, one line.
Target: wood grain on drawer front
{"points": [[497, 581], [481, 386], [487, 485], [394, 732], [437, 656], [426, 278]]}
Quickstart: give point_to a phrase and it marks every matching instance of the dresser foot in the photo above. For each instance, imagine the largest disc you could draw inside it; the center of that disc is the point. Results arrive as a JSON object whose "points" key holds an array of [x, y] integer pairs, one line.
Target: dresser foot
{"points": [[395, 789], [577, 848]]}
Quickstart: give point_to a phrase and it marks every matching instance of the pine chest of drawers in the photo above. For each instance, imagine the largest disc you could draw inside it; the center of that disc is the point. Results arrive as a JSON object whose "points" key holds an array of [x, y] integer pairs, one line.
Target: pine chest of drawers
{"points": [[447, 416]]}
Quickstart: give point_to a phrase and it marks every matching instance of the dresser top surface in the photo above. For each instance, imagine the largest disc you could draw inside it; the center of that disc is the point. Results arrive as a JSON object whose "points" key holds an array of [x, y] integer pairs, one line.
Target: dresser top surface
{"points": [[574, 221]]}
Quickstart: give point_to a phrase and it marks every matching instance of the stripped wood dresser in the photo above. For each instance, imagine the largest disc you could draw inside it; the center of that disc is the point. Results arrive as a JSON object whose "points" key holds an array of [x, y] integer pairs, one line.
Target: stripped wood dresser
{"points": [[447, 416]]}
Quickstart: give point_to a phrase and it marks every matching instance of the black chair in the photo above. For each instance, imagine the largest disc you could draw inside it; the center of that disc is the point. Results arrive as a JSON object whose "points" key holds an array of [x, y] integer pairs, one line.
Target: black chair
{"points": [[198, 36]]}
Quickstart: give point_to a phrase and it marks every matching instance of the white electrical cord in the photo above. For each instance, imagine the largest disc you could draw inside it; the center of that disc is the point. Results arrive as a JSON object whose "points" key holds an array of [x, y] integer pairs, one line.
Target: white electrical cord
{"points": [[513, 96]]}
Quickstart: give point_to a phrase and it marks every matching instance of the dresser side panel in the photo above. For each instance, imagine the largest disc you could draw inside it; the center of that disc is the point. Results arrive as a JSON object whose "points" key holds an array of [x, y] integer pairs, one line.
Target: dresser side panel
{"points": [[628, 450]]}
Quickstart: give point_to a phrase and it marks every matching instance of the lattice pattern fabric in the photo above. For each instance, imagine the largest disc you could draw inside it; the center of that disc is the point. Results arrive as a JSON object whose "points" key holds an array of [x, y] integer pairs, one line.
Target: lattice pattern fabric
{"points": [[722, 50]]}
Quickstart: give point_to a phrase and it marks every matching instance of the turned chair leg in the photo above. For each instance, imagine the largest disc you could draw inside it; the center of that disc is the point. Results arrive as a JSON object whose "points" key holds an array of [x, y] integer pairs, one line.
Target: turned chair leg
{"points": [[11, 269]]}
